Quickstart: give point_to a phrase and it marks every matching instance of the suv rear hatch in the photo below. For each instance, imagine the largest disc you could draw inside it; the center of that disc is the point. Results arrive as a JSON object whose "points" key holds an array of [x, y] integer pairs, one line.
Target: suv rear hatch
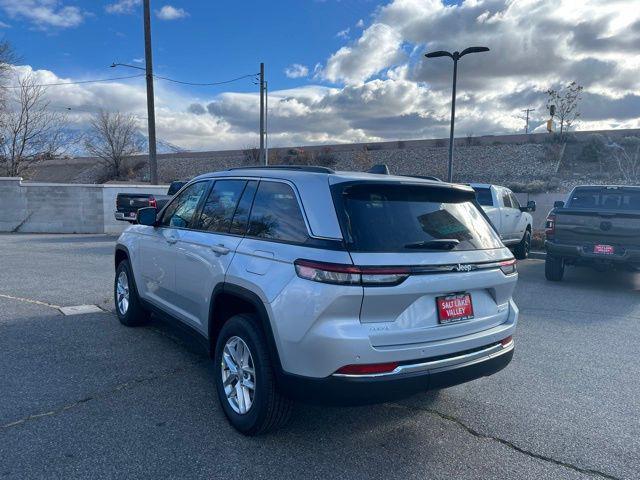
{"points": [[439, 237]]}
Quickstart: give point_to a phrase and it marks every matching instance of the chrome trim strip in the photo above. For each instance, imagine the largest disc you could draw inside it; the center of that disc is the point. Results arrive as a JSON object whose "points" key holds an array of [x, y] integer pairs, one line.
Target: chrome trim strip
{"points": [[443, 364]]}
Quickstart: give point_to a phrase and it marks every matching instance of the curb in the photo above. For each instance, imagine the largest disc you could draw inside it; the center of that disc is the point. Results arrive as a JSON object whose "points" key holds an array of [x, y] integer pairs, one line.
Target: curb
{"points": [[538, 255]]}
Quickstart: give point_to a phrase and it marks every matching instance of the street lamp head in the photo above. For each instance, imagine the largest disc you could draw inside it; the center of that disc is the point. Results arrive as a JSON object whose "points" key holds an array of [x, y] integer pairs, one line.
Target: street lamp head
{"points": [[439, 53], [473, 50]]}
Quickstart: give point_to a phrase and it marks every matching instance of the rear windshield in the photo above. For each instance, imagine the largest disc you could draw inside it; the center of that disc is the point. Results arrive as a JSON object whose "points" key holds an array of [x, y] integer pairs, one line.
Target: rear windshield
{"points": [[407, 218], [484, 196], [605, 198]]}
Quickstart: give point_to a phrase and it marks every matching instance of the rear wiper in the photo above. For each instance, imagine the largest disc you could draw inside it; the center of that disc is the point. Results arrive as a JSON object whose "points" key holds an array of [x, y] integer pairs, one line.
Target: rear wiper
{"points": [[439, 243]]}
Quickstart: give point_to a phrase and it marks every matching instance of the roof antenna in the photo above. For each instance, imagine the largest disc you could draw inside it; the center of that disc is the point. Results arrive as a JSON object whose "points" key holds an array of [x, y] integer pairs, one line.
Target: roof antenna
{"points": [[380, 169]]}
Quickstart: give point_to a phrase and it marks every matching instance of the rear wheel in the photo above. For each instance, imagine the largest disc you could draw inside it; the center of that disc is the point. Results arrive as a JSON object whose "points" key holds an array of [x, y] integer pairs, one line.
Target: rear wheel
{"points": [[128, 306], [554, 268], [521, 252], [245, 379]]}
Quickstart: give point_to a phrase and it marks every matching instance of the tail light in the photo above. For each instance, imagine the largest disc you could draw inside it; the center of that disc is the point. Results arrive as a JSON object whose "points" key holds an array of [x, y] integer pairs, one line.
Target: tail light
{"points": [[153, 203], [506, 341], [340, 274], [508, 267], [550, 226]]}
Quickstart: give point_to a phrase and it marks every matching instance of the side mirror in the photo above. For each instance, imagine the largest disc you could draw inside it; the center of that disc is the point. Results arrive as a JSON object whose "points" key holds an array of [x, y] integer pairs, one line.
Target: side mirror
{"points": [[147, 216], [558, 204], [531, 207]]}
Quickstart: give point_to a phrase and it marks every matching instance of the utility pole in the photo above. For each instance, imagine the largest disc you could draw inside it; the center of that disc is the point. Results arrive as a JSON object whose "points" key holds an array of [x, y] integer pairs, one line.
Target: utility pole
{"points": [[266, 123], [526, 127], [263, 158], [151, 115]]}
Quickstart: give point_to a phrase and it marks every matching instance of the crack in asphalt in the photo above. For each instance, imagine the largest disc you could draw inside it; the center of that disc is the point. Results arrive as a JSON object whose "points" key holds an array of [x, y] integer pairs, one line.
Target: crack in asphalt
{"points": [[29, 300], [100, 395], [507, 443]]}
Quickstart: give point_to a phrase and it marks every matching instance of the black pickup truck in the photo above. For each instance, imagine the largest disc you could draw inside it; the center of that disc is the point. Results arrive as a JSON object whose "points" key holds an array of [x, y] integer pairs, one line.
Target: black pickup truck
{"points": [[599, 226], [128, 204]]}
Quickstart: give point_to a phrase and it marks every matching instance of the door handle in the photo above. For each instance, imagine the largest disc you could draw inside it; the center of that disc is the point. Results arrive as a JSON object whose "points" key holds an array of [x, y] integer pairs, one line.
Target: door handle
{"points": [[171, 239], [220, 249]]}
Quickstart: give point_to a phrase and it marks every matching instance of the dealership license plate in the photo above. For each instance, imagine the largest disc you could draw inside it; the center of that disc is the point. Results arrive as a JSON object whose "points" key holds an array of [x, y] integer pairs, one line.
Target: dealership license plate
{"points": [[454, 308], [603, 249]]}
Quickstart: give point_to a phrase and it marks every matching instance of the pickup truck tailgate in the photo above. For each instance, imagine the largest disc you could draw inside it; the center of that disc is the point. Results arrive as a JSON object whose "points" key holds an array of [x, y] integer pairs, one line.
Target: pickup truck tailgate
{"points": [[131, 202], [584, 227]]}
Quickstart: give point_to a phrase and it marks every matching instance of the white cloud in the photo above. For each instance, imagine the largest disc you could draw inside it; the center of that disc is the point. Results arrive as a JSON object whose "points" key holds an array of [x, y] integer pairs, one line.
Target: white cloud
{"points": [[44, 13], [169, 12], [344, 34], [123, 6], [360, 23], [296, 71], [378, 47]]}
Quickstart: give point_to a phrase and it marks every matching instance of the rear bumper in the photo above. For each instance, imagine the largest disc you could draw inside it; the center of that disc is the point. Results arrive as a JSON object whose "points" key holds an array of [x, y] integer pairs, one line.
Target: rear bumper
{"points": [[126, 216], [578, 252], [407, 379]]}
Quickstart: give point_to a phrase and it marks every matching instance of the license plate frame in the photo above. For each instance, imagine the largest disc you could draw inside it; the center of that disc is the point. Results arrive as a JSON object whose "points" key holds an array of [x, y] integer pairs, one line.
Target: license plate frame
{"points": [[455, 307]]}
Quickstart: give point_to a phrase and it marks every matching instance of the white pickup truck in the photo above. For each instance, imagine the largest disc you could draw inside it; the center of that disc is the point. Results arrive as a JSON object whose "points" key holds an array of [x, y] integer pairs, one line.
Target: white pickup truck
{"points": [[512, 221]]}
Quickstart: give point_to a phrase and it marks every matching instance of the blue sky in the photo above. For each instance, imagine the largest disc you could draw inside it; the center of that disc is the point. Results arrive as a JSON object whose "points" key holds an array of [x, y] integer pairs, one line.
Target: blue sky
{"points": [[338, 70], [216, 40]]}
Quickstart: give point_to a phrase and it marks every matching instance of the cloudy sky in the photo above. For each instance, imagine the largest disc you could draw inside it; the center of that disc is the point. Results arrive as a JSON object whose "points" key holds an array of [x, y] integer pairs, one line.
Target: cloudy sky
{"points": [[338, 70]]}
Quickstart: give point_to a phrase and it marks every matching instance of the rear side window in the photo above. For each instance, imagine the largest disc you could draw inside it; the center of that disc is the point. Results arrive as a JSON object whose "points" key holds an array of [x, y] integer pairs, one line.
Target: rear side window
{"points": [[605, 198], [276, 214], [220, 206], [484, 197], [407, 218], [180, 211], [241, 216]]}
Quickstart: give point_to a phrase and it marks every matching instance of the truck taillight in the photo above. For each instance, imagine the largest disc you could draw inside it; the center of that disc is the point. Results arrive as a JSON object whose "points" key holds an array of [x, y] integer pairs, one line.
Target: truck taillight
{"points": [[153, 203], [340, 274], [550, 226]]}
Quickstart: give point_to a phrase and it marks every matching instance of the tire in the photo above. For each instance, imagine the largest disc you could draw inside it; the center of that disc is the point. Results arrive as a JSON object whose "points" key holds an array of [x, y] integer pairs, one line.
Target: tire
{"points": [[553, 268], [521, 252], [130, 311], [267, 409]]}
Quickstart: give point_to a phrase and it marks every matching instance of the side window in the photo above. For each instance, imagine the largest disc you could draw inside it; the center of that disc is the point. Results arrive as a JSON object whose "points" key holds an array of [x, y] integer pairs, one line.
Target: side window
{"points": [[276, 214], [241, 216], [514, 201], [179, 212], [506, 199], [220, 206]]}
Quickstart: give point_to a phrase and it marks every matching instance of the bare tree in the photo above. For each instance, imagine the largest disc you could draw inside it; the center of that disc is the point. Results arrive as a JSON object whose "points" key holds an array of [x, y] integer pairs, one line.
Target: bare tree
{"points": [[113, 137], [30, 131], [7, 60], [251, 156], [566, 102], [627, 156]]}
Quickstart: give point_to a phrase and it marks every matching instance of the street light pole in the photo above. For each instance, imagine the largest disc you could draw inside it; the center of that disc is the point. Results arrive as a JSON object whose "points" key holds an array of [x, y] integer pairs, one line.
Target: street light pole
{"points": [[455, 56]]}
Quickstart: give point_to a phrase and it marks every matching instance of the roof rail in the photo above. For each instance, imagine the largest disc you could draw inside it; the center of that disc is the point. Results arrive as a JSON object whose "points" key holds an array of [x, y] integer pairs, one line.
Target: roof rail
{"points": [[301, 168], [424, 177]]}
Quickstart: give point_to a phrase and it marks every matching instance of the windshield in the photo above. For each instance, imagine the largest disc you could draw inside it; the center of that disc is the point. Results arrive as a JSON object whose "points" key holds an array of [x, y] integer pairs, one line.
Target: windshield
{"points": [[402, 218], [605, 198]]}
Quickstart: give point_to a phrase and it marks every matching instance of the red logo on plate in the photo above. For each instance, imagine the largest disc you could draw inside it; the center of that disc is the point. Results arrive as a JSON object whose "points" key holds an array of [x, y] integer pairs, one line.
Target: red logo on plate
{"points": [[603, 249]]}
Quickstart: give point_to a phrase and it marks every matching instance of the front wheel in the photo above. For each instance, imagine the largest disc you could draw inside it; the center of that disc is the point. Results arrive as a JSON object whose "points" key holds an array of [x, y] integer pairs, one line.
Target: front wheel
{"points": [[245, 378], [521, 252], [128, 306], [553, 268]]}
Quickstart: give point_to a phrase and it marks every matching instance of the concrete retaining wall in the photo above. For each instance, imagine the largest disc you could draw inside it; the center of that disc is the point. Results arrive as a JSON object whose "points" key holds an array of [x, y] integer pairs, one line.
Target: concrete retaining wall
{"points": [[62, 208], [544, 203]]}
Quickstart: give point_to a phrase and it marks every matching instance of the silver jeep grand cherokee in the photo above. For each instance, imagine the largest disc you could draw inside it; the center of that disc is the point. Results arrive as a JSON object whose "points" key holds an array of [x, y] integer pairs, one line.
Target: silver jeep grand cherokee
{"points": [[314, 285]]}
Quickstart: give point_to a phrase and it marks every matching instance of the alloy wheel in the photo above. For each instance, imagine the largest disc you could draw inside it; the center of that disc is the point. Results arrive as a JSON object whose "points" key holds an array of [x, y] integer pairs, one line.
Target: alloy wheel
{"points": [[238, 375]]}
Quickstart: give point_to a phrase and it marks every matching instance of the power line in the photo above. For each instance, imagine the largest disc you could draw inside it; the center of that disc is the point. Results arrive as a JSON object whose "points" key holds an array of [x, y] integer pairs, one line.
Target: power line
{"points": [[205, 84], [79, 82]]}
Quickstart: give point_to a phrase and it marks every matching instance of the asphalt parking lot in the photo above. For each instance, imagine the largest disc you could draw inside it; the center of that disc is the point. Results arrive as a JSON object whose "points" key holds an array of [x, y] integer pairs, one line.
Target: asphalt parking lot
{"points": [[82, 396]]}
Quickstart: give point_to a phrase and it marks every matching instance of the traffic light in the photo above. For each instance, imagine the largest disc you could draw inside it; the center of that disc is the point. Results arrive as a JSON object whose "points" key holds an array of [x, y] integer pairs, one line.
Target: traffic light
{"points": [[552, 110]]}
